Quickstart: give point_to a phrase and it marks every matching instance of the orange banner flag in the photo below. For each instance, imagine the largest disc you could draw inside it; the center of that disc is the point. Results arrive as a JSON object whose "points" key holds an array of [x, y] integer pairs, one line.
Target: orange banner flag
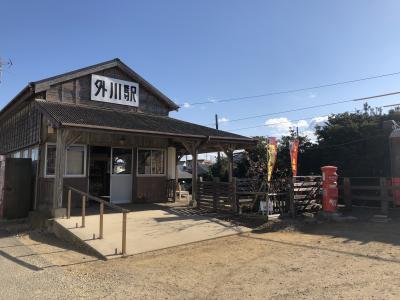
{"points": [[294, 152]]}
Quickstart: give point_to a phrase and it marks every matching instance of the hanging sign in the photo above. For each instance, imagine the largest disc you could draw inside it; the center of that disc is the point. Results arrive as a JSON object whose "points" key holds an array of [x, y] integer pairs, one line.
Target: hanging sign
{"points": [[294, 152], [111, 90], [272, 148]]}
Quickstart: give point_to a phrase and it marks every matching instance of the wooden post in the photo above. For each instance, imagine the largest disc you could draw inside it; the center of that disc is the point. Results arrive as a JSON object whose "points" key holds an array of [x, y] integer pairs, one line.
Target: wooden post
{"points": [[229, 155], [384, 196], [83, 210], [193, 149], [234, 198], [292, 206], [69, 204], [101, 220], [177, 159], [216, 180], [194, 176], [124, 233], [59, 168], [347, 193]]}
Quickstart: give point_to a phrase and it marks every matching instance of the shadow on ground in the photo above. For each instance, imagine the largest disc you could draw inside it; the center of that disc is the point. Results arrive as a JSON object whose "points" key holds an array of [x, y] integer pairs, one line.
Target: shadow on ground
{"points": [[364, 230]]}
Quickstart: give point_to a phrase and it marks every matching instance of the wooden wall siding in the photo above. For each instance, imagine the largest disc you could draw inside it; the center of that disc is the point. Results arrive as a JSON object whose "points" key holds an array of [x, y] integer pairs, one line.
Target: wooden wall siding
{"points": [[78, 92], [113, 140], [45, 192], [21, 129], [151, 189]]}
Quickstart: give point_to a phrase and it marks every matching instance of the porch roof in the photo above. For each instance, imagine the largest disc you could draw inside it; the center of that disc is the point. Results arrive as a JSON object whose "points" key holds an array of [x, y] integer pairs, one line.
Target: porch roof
{"points": [[94, 118]]}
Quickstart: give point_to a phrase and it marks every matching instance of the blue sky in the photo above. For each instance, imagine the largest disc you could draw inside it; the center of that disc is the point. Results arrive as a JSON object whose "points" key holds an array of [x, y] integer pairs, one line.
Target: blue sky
{"points": [[209, 50]]}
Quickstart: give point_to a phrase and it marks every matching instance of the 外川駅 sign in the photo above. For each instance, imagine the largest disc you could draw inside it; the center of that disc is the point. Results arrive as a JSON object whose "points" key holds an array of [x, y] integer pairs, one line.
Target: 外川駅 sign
{"points": [[111, 90]]}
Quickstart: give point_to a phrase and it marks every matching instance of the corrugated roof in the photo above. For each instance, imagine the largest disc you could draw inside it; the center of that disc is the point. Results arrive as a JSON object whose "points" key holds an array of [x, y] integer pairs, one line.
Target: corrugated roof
{"points": [[72, 115]]}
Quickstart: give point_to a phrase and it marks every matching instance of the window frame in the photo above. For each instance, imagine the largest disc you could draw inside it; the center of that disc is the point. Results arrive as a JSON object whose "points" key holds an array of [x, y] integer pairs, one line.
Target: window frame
{"points": [[65, 162], [151, 162]]}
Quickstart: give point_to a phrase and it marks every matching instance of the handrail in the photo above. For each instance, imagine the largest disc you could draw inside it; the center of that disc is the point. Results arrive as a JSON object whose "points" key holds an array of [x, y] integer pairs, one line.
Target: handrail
{"points": [[87, 196], [97, 199]]}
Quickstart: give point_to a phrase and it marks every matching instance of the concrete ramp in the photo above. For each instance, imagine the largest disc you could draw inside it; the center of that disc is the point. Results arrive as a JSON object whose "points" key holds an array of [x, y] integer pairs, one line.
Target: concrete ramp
{"points": [[148, 230]]}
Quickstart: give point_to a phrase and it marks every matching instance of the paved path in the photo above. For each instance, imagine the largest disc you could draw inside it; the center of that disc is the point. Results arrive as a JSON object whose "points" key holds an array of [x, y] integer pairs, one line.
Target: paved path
{"points": [[150, 230]]}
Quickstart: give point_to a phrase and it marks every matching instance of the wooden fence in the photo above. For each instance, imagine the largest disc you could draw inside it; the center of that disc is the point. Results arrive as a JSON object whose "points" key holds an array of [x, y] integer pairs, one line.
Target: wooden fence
{"points": [[217, 196], [307, 193], [286, 195], [368, 192]]}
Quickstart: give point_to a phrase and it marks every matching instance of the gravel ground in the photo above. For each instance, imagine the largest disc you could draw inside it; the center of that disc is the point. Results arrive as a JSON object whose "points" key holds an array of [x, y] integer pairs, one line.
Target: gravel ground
{"points": [[300, 261]]}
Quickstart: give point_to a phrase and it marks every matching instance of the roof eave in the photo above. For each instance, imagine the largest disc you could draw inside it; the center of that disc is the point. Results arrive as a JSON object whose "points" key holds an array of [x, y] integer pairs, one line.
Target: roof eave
{"points": [[23, 95], [156, 133]]}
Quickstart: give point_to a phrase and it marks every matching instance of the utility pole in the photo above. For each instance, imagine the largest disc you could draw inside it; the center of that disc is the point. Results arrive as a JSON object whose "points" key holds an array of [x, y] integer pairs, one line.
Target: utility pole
{"points": [[4, 63], [216, 127]]}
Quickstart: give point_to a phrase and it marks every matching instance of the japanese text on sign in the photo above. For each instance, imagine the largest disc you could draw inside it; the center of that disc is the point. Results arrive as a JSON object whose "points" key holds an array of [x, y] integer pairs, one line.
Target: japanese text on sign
{"points": [[111, 90]]}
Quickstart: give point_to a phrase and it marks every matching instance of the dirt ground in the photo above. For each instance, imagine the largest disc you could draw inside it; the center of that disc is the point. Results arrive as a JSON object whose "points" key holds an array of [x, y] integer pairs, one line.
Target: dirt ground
{"points": [[288, 261]]}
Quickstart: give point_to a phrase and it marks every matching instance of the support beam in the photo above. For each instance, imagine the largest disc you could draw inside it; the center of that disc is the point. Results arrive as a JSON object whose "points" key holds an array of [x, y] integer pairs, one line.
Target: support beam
{"points": [[62, 135], [73, 137], [193, 148], [179, 155], [194, 176], [229, 154]]}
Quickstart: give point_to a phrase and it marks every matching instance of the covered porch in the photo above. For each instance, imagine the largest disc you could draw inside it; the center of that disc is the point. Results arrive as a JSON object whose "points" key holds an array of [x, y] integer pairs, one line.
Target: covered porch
{"points": [[137, 153]]}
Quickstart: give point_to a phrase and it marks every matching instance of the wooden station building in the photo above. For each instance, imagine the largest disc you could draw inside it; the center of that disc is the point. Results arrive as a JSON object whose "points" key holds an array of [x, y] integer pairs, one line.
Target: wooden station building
{"points": [[106, 131]]}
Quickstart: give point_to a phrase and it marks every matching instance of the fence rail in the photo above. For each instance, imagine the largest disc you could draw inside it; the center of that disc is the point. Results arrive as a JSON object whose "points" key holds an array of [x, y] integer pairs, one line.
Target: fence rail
{"points": [[368, 191], [217, 196], [85, 198]]}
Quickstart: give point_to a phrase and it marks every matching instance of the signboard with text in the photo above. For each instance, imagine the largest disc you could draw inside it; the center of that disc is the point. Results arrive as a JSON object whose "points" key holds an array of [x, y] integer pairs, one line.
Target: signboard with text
{"points": [[111, 90]]}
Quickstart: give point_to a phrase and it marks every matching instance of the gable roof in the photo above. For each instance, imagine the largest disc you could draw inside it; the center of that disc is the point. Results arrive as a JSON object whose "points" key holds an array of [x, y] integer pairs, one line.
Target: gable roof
{"points": [[94, 118], [44, 84]]}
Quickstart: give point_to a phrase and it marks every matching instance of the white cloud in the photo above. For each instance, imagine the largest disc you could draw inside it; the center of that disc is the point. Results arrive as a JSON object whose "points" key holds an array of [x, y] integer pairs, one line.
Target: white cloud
{"points": [[301, 123], [312, 95], [320, 119], [223, 120], [281, 126], [186, 105]]}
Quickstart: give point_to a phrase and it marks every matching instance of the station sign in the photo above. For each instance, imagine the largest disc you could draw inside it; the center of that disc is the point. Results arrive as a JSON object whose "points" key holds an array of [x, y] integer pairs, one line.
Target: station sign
{"points": [[111, 90]]}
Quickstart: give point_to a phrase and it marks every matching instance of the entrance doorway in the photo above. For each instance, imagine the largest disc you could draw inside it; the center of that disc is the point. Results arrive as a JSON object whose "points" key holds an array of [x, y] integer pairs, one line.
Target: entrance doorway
{"points": [[121, 175], [99, 174]]}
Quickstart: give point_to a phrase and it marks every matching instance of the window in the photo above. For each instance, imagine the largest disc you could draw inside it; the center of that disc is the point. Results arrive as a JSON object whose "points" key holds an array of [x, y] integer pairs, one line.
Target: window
{"points": [[157, 162], [151, 162], [122, 161], [34, 154], [16, 154], [50, 160], [75, 160], [25, 153], [144, 162]]}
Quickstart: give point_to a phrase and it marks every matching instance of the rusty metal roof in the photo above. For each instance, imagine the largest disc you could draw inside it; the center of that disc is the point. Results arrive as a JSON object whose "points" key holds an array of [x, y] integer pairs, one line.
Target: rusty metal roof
{"points": [[88, 117]]}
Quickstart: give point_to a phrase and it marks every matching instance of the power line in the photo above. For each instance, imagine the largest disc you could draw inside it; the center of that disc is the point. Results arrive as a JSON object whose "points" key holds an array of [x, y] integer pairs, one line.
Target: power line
{"points": [[298, 120], [311, 107], [291, 90], [277, 123], [349, 142]]}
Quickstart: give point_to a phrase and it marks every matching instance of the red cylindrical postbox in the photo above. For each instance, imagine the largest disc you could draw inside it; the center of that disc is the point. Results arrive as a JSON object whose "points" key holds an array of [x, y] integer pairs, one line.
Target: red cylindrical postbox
{"points": [[330, 190]]}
